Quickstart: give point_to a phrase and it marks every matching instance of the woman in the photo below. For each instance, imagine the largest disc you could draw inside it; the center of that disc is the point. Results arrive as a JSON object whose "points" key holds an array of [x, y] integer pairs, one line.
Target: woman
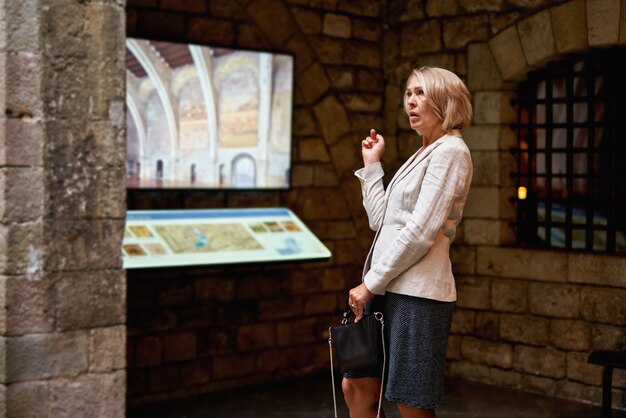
{"points": [[415, 220]]}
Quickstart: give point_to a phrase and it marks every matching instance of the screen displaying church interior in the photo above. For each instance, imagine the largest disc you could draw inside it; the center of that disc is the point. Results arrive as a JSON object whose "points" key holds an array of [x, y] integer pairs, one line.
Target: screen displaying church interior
{"points": [[207, 118]]}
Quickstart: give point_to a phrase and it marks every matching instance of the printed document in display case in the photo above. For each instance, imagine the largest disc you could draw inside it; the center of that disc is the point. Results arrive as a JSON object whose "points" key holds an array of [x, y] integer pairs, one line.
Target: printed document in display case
{"points": [[163, 238]]}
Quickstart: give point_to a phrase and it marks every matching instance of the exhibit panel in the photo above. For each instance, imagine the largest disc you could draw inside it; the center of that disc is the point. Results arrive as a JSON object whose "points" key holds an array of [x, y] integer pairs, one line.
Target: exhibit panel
{"points": [[163, 238]]}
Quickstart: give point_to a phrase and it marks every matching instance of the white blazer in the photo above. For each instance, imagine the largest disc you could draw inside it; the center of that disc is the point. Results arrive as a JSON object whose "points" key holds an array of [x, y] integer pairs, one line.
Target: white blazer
{"points": [[415, 220]]}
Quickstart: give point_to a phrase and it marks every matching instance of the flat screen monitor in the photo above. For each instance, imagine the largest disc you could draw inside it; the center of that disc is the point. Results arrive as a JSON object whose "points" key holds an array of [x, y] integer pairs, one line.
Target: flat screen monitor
{"points": [[202, 117]]}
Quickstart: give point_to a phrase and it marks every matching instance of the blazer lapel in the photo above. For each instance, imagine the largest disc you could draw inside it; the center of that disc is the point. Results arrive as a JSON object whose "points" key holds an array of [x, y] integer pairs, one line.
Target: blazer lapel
{"points": [[407, 168]]}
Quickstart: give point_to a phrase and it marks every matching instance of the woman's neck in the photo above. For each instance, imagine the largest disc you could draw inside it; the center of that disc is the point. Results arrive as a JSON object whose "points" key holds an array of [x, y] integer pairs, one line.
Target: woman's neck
{"points": [[427, 140]]}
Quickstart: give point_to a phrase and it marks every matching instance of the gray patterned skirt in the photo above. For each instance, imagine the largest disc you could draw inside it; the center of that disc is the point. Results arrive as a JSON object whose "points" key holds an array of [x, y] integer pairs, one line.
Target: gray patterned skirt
{"points": [[416, 335]]}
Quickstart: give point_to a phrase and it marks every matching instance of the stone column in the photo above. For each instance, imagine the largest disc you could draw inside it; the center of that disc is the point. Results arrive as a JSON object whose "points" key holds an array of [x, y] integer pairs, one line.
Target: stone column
{"points": [[62, 207]]}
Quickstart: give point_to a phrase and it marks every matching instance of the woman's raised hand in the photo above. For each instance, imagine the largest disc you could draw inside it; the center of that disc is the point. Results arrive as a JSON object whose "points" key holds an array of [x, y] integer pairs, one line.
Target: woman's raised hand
{"points": [[372, 148]]}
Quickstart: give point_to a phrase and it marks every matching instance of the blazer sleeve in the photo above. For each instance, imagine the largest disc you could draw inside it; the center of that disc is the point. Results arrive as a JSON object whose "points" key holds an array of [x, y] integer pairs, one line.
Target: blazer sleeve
{"points": [[445, 181], [373, 190]]}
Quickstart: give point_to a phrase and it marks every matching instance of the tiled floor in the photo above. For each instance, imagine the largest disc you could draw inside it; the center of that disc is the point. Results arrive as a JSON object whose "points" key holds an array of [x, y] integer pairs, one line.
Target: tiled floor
{"points": [[312, 398]]}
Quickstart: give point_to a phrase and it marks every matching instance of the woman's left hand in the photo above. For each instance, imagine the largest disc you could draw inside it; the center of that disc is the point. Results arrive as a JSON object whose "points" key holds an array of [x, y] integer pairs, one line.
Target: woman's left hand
{"points": [[357, 298]]}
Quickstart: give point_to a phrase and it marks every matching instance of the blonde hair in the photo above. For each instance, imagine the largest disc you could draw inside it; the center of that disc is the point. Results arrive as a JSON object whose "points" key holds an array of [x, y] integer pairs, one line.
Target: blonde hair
{"points": [[447, 95]]}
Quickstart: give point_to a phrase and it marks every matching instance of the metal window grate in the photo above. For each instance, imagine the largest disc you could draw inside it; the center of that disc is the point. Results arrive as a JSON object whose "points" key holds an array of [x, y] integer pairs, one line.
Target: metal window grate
{"points": [[572, 155]]}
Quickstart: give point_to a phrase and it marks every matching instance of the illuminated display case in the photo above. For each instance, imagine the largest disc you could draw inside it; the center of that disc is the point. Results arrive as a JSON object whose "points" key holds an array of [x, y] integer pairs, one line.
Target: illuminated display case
{"points": [[164, 238]]}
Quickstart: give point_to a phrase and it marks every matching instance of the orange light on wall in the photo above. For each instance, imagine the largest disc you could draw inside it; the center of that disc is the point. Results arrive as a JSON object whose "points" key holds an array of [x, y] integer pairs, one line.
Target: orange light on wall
{"points": [[521, 193]]}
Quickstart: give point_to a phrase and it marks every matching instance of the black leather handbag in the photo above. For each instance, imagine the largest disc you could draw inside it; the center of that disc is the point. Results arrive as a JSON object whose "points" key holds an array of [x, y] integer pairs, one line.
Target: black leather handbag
{"points": [[357, 345]]}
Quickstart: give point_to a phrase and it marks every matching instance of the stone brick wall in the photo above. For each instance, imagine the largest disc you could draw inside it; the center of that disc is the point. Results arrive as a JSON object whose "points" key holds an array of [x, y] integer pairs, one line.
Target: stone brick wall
{"points": [[529, 319], [198, 330], [202, 330], [62, 207]]}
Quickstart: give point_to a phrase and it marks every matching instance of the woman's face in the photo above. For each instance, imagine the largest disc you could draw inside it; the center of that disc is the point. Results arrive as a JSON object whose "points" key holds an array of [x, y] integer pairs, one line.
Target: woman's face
{"points": [[421, 116]]}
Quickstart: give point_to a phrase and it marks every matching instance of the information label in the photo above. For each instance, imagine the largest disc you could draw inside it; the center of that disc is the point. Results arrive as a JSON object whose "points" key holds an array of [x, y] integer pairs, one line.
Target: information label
{"points": [[162, 238]]}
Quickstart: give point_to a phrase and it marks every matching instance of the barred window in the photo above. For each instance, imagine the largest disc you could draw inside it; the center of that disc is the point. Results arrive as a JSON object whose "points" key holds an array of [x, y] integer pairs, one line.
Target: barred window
{"points": [[571, 154]]}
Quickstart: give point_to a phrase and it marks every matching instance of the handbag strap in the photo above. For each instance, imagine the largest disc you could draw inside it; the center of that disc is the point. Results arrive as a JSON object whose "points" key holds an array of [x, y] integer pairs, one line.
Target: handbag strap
{"points": [[346, 313], [379, 318], [332, 370]]}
